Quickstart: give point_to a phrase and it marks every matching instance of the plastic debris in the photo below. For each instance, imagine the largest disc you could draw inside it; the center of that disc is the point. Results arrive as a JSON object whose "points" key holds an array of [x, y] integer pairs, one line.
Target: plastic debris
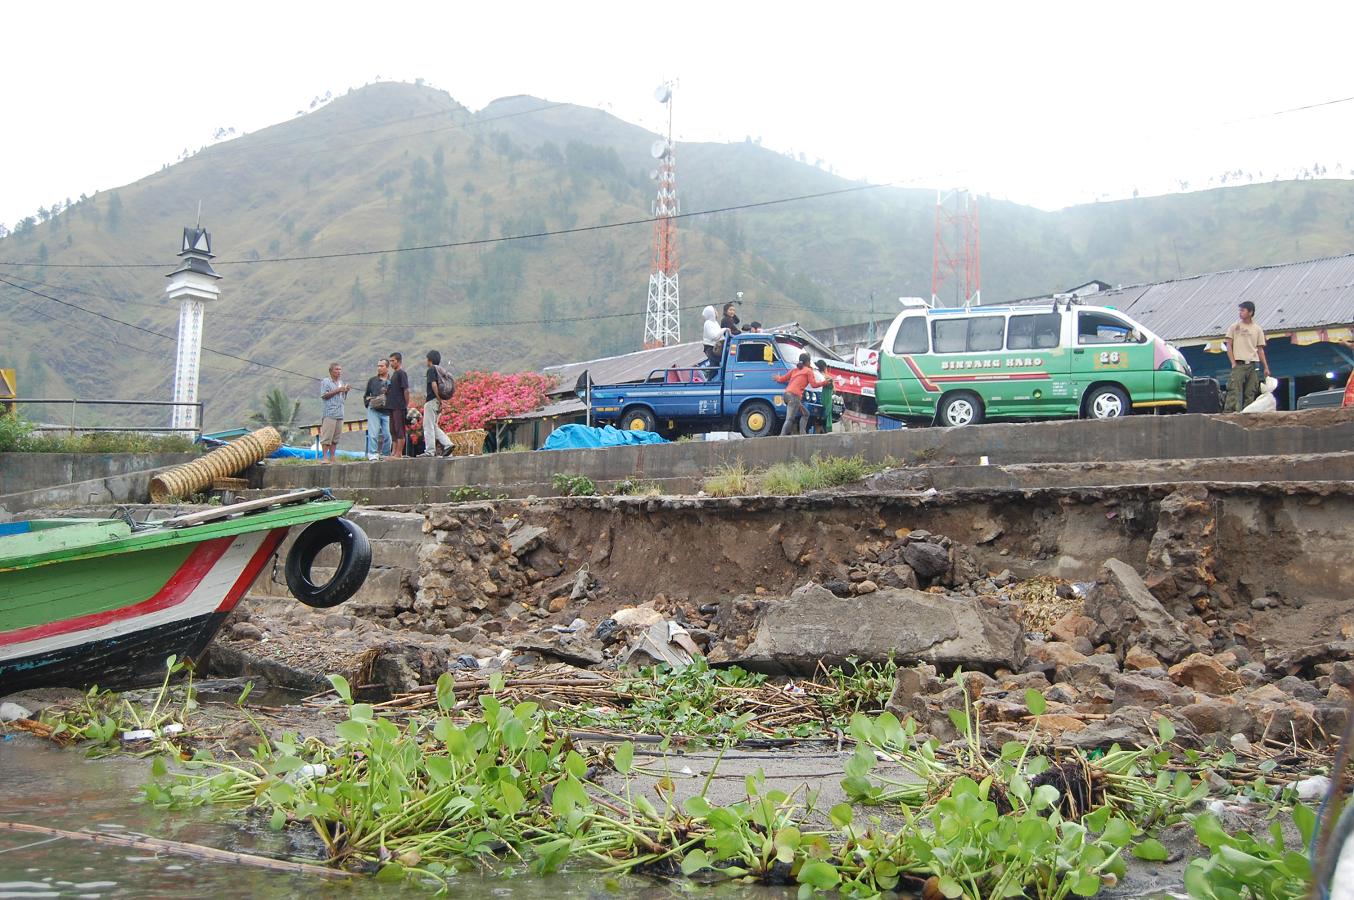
{"points": [[1313, 788], [10, 712]]}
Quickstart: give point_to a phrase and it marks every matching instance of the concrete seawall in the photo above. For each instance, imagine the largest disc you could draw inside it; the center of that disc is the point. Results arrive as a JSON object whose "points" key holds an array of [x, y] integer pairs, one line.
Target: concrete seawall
{"points": [[31, 471], [1146, 438]]}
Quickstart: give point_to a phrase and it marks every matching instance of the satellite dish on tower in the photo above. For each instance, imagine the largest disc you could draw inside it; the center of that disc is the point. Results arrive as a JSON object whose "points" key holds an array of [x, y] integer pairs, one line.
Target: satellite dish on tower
{"points": [[663, 93], [660, 149], [653, 175]]}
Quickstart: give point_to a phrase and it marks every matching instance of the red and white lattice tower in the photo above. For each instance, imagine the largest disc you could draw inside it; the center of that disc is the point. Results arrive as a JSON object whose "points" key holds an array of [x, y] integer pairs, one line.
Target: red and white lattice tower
{"points": [[955, 260], [662, 325]]}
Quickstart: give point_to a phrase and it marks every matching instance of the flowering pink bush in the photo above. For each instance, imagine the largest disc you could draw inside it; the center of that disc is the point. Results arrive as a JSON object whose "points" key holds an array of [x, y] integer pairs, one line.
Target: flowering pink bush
{"points": [[484, 396]]}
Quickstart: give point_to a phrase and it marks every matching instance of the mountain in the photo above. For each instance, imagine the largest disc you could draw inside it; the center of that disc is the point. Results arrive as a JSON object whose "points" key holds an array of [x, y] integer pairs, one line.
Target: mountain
{"points": [[399, 165]]}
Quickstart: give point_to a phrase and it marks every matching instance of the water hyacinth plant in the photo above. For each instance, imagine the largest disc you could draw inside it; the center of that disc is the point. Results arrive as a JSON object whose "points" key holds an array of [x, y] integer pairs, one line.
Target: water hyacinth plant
{"points": [[487, 783]]}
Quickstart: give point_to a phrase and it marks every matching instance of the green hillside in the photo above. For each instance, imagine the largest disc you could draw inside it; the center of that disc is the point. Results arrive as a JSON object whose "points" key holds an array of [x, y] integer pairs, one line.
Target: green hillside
{"points": [[397, 165]]}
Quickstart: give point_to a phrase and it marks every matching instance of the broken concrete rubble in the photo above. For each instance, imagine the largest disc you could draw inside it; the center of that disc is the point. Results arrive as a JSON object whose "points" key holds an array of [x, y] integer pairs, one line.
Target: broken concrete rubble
{"points": [[813, 625], [1126, 614]]}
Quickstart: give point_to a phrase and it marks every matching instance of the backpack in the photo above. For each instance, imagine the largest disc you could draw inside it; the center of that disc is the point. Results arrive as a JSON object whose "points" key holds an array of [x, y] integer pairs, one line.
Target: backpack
{"points": [[446, 385]]}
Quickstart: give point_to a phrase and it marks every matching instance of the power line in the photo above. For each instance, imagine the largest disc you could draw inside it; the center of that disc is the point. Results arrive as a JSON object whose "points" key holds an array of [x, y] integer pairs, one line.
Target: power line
{"points": [[328, 323], [150, 331], [479, 242]]}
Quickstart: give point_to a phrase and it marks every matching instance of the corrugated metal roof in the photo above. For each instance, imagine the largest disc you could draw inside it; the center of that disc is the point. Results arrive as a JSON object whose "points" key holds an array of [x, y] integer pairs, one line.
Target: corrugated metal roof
{"points": [[629, 367], [1300, 295], [565, 407]]}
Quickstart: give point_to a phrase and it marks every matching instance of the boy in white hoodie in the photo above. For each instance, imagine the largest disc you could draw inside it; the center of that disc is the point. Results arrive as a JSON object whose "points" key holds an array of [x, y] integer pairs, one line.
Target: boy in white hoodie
{"points": [[711, 336]]}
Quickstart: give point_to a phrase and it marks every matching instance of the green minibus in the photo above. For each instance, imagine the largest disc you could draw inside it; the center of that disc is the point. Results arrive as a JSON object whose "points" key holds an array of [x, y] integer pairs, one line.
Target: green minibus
{"points": [[967, 365]]}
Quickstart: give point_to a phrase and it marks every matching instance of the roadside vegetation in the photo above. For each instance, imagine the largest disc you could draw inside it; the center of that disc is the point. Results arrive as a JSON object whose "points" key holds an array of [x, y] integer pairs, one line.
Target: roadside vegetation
{"points": [[19, 436], [473, 775], [790, 478]]}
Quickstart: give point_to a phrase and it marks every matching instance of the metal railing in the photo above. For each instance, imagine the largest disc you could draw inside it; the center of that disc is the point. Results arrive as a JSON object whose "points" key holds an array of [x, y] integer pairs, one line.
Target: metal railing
{"points": [[74, 403]]}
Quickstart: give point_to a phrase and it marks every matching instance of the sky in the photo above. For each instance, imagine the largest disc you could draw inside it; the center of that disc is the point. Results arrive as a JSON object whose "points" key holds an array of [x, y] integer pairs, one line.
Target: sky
{"points": [[1049, 104]]}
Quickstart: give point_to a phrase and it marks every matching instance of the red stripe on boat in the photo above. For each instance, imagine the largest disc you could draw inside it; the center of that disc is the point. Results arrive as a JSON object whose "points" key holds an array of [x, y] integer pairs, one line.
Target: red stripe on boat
{"points": [[188, 576], [251, 571]]}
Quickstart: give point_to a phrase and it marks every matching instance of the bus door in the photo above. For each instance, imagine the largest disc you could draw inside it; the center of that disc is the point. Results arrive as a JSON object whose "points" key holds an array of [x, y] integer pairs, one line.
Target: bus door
{"points": [[1104, 348], [1034, 348]]}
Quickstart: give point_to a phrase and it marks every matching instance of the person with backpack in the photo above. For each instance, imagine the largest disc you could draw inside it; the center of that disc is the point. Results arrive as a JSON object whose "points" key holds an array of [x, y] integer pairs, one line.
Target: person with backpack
{"points": [[441, 387]]}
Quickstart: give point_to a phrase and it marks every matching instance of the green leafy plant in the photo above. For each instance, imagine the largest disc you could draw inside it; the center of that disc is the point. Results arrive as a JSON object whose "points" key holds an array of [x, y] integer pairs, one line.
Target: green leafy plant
{"points": [[573, 485], [1244, 867], [729, 480]]}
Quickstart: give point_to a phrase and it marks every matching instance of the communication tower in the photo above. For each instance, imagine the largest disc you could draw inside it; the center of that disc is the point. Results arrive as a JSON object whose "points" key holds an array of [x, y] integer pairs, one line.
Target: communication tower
{"points": [[955, 258], [662, 325]]}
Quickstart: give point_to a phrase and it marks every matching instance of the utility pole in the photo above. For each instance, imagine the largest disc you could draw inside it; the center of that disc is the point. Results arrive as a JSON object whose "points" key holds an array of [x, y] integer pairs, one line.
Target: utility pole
{"points": [[193, 284]]}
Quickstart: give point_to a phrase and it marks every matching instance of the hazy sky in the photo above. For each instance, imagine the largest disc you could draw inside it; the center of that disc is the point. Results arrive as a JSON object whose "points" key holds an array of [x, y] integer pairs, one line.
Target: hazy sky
{"points": [[1044, 103]]}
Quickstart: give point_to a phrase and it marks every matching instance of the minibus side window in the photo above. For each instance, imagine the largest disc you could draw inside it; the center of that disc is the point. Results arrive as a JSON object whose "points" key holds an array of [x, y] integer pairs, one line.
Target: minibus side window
{"points": [[985, 334], [754, 352], [971, 335], [1038, 332], [911, 337], [1102, 328]]}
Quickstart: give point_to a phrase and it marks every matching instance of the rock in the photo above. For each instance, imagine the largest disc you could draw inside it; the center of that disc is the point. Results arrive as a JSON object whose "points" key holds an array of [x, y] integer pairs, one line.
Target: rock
{"points": [[1204, 673], [1130, 726], [1072, 626], [1138, 658], [793, 634], [898, 576], [1131, 689], [524, 539], [1057, 653], [1213, 716], [637, 616], [866, 587], [1128, 614], [928, 560], [558, 604], [246, 631], [575, 649], [1303, 690], [1097, 669], [838, 587]]}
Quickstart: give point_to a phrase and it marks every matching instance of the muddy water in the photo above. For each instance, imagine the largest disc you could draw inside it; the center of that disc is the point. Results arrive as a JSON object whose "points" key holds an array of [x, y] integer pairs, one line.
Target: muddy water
{"points": [[44, 785]]}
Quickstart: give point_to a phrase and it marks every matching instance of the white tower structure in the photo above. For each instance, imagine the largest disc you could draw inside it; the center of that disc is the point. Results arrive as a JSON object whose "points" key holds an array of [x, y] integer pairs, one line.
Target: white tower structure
{"points": [[193, 284], [661, 324]]}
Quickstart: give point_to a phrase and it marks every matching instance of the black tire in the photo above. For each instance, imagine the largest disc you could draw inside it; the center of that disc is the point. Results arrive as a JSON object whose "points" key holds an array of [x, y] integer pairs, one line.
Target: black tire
{"points": [[1107, 402], [959, 409], [637, 418], [756, 419], [352, 569]]}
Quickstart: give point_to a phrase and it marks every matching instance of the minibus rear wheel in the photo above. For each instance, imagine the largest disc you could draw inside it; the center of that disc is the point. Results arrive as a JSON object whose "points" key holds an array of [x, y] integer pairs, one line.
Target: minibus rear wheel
{"points": [[960, 408], [1107, 401]]}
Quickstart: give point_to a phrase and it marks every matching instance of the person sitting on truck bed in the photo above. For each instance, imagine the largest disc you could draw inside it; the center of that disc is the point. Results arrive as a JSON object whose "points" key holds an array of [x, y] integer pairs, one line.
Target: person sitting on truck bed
{"points": [[730, 322], [712, 336], [795, 381]]}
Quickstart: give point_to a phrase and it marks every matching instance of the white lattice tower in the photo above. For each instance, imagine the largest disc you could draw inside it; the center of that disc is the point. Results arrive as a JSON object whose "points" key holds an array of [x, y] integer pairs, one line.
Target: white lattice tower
{"points": [[193, 285], [662, 323]]}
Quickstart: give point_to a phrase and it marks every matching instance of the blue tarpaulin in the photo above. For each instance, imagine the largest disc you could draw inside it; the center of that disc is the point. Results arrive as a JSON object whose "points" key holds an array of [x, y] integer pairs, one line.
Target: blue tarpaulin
{"points": [[577, 437]]}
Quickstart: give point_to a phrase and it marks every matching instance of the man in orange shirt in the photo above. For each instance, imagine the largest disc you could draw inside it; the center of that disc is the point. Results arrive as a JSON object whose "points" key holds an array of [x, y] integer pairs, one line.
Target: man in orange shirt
{"points": [[795, 381]]}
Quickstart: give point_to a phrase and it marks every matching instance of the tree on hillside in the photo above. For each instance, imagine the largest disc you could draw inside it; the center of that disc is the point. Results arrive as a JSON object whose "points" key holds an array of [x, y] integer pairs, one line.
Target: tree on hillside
{"points": [[114, 213], [279, 412]]}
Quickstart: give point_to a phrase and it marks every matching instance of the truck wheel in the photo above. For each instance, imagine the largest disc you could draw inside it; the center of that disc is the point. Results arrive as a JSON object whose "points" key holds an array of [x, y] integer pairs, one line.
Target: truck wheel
{"points": [[638, 419], [756, 419], [961, 408], [1107, 402]]}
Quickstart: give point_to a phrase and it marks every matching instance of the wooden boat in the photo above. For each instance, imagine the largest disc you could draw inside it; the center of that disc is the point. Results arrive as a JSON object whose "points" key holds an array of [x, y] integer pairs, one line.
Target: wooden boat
{"points": [[105, 601]]}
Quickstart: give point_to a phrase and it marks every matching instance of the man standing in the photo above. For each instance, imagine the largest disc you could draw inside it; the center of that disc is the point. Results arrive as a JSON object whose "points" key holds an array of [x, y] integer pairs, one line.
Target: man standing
{"points": [[433, 435], [795, 381], [397, 399], [1246, 353], [378, 413], [332, 393]]}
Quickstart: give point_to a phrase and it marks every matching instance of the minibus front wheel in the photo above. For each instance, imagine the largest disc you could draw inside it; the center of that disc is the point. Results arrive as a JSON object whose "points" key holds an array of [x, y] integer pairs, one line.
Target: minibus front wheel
{"points": [[960, 408]]}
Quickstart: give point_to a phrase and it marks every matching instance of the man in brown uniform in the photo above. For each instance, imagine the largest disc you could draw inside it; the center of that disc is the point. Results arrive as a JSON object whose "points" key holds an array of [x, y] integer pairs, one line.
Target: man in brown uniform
{"points": [[1246, 353]]}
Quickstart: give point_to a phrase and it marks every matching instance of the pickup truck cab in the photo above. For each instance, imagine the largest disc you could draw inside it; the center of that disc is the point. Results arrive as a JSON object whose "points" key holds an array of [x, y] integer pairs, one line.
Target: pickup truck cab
{"points": [[738, 395]]}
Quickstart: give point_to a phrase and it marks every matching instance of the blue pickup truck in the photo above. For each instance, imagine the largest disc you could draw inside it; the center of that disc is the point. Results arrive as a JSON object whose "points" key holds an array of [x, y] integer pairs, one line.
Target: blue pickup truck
{"points": [[740, 395]]}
